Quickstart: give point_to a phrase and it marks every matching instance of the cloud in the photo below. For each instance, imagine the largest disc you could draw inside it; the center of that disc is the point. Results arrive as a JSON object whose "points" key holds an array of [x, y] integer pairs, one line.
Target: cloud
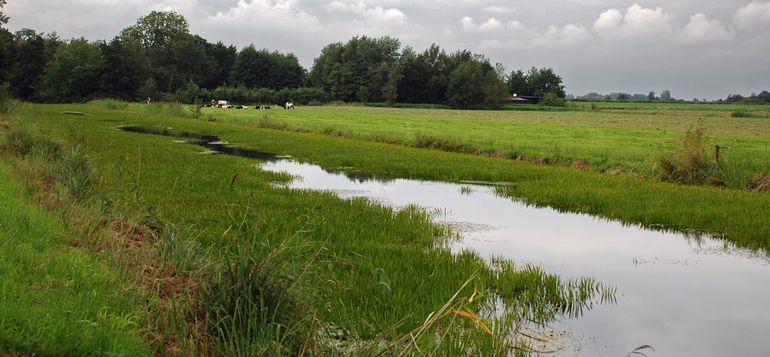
{"points": [[700, 29], [569, 35], [500, 10], [370, 20], [638, 24], [491, 24], [755, 13]]}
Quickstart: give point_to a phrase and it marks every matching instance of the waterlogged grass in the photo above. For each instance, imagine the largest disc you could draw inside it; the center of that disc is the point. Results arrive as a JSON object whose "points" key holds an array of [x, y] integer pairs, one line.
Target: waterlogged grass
{"points": [[632, 137], [54, 299], [739, 216], [265, 270]]}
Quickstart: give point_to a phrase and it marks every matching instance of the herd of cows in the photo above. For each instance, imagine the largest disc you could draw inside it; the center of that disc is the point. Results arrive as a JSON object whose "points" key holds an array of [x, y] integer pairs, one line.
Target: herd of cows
{"points": [[227, 105]]}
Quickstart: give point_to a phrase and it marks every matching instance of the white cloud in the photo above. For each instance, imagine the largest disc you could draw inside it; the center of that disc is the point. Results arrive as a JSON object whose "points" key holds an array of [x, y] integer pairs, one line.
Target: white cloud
{"points": [[700, 29], [638, 24], [491, 24], [500, 10], [753, 14], [569, 35]]}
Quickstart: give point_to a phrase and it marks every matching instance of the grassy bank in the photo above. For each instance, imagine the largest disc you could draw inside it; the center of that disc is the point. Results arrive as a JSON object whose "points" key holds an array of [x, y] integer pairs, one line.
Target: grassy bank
{"points": [[237, 265], [56, 300], [632, 137]]}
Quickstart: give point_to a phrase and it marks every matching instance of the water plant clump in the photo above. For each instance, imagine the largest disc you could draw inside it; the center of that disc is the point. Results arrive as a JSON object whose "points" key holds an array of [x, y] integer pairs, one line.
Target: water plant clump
{"points": [[691, 164]]}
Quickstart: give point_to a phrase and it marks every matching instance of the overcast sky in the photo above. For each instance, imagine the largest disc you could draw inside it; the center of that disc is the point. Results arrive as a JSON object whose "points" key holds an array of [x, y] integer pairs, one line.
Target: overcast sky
{"points": [[703, 48]]}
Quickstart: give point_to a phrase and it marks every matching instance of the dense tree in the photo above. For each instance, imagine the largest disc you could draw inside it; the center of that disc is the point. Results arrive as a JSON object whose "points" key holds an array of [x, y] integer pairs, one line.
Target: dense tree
{"points": [[665, 96], [535, 82], [3, 17], [264, 69], [223, 58], [74, 72], [158, 58], [7, 54], [158, 30], [544, 80], [356, 70], [475, 83], [651, 97], [29, 64], [517, 83], [176, 55], [126, 67]]}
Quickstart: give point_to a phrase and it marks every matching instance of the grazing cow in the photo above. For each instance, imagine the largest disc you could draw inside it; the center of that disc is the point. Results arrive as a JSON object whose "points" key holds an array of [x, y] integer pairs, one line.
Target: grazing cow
{"points": [[223, 104], [289, 105]]}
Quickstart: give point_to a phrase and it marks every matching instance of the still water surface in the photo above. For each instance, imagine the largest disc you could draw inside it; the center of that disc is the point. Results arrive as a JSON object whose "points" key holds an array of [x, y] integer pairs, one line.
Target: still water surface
{"points": [[683, 295]]}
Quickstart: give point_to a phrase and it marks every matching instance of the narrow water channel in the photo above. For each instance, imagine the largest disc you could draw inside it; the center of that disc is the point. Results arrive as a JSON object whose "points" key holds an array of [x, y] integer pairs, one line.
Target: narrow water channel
{"points": [[683, 295]]}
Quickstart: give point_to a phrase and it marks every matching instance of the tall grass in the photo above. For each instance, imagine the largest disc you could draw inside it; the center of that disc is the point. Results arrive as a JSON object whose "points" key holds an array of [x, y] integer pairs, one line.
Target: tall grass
{"points": [[691, 164], [111, 104], [257, 305]]}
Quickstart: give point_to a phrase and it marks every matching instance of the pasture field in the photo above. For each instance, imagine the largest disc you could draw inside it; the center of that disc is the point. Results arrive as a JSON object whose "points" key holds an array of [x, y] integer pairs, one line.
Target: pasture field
{"points": [[226, 262], [633, 137], [222, 261]]}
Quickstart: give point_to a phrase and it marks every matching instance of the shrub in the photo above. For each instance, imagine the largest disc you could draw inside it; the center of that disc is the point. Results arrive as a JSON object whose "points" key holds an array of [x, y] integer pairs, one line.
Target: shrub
{"points": [[22, 141], [691, 165], [552, 100], [76, 173], [253, 305]]}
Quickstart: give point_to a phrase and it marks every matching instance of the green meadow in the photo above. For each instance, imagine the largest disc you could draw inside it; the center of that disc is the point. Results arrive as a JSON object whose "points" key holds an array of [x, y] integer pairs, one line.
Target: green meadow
{"points": [[627, 137], [135, 244]]}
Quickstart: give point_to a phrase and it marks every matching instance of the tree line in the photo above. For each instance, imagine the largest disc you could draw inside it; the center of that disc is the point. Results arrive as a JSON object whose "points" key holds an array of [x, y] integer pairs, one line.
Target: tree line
{"points": [[159, 58]]}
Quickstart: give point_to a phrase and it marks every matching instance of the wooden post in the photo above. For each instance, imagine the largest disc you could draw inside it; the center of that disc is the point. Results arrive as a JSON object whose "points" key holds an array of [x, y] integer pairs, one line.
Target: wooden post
{"points": [[717, 153]]}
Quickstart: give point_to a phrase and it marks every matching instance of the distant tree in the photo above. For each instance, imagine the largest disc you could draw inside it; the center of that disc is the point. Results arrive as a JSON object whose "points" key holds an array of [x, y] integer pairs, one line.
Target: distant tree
{"points": [[356, 70], [544, 80], [475, 83], [390, 91], [73, 74], [651, 97], [149, 89], [223, 59], [7, 55], [126, 67], [3, 17], [176, 55], [518, 83], [764, 96], [29, 64], [535, 82], [263, 69], [623, 96], [158, 30], [665, 96]]}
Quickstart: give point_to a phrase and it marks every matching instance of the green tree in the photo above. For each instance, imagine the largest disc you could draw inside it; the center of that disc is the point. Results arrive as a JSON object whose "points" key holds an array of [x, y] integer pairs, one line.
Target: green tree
{"points": [[264, 69], [223, 59], [74, 72], [158, 30], [149, 89], [391, 86], [126, 67], [475, 83], [665, 96], [651, 97], [356, 70], [3, 17], [29, 64], [517, 83], [544, 80]]}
